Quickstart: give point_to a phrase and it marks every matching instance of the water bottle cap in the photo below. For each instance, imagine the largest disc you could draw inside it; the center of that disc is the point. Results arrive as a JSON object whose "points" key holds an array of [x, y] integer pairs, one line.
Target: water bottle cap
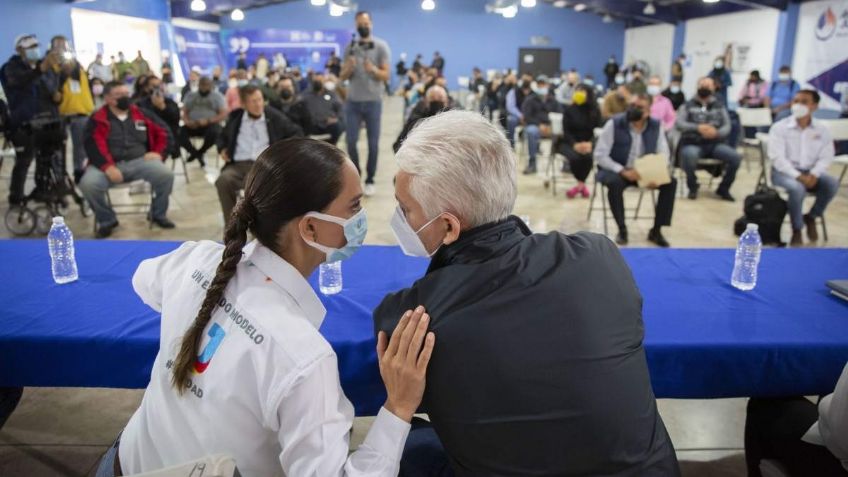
{"points": [[753, 227], [58, 220]]}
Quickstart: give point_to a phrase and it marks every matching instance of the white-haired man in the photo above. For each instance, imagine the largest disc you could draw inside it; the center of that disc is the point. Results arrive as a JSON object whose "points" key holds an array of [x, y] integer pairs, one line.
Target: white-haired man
{"points": [[556, 381]]}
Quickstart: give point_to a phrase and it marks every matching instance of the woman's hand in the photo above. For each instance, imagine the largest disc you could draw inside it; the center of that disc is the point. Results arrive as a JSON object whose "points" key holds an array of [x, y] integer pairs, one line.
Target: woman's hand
{"points": [[403, 362]]}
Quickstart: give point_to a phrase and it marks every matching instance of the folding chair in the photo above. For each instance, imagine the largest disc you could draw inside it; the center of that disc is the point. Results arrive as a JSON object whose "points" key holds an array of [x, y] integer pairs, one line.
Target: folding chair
{"points": [[753, 118], [556, 134], [130, 207], [839, 131], [605, 209]]}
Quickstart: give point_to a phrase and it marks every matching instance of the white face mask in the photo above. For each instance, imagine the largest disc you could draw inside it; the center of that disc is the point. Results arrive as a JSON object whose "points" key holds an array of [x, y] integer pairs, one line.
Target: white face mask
{"points": [[718, 65], [784, 76], [407, 238], [355, 229], [329, 85], [800, 110], [654, 90]]}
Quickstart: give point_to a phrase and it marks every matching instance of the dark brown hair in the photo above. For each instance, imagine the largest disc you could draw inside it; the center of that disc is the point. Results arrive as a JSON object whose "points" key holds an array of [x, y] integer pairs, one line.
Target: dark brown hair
{"points": [[289, 179], [247, 90]]}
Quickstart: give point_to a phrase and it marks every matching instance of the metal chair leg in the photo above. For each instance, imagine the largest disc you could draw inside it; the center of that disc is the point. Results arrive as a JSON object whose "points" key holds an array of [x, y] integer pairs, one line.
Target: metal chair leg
{"points": [[604, 206], [842, 176], [638, 204], [592, 200], [824, 228]]}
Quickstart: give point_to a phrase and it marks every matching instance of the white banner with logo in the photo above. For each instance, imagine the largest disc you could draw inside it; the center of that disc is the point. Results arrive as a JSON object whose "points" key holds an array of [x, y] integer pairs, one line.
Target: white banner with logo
{"points": [[821, 49]]}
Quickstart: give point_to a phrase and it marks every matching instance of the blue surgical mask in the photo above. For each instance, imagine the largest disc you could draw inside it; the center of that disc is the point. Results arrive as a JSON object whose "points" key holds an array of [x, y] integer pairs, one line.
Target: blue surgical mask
{"points": [[588, 82], [355, 229], [674, 89], [32, 54]]}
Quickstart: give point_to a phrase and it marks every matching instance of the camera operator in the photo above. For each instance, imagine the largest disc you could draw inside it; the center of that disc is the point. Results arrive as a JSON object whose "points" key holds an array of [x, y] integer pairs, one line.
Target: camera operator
{"points": [[32, 89], [77, 102], [366, 65]]}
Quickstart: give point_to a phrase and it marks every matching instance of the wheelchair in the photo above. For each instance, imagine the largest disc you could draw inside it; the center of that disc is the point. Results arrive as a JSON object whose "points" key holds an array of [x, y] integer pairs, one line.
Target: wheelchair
{"points": [[52, 183]]}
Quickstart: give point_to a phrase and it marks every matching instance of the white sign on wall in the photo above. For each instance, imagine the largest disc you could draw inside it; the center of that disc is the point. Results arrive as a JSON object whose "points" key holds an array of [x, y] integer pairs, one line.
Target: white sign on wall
{"points": [[821, 49], [750, 36]]}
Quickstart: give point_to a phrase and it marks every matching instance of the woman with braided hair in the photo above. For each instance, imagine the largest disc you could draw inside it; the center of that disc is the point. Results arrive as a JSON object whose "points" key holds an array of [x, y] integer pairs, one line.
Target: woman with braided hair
{"points": [[242, 369]]}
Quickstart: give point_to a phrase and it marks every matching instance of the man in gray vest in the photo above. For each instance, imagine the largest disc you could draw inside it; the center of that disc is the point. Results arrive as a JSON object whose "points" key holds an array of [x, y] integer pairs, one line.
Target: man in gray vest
{"points": [[624, 138], [366, 65]]}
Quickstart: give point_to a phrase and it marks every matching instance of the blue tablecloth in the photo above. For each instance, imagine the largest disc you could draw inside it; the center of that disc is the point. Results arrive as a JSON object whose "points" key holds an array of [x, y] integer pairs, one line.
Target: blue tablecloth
{"points": [[704, 339]]}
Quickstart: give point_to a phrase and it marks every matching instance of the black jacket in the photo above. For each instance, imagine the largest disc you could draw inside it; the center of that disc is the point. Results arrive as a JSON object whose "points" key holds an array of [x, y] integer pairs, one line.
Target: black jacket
{"points": [[539, 367], [579, 122], [295, 111], [420, 111], [29, 92], [279, 127], [535, 110], [170, 116]]}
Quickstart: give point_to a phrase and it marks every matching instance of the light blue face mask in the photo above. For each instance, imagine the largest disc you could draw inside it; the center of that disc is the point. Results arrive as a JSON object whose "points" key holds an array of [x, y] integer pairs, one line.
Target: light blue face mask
{"points": [[32, 54], [355, 229]]}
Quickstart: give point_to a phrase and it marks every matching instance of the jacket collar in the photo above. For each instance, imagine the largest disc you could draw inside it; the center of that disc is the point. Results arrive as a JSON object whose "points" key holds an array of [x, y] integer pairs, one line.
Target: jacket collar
{"points": [[481, 243], [288, 278]]}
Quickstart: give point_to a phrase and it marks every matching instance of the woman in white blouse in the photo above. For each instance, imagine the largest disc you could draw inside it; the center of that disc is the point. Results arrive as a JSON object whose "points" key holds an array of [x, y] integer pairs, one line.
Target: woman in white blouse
{"points": [[242, 369]]}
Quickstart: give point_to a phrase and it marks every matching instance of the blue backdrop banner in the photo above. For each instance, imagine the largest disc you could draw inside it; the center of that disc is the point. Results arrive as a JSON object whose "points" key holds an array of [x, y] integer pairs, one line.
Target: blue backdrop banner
{"points": [[303, 48], [200, 48]]}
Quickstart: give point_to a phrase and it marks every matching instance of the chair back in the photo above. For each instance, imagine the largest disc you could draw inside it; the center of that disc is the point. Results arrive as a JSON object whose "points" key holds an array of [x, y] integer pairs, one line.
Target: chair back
{"points": [[838, 128], [556, 123], [754, 117]]}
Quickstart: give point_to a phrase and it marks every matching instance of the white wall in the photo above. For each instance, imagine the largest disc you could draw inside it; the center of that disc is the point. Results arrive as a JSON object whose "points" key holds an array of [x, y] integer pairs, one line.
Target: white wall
{"points": [[752, 33], [94, 31], [653, 44]]}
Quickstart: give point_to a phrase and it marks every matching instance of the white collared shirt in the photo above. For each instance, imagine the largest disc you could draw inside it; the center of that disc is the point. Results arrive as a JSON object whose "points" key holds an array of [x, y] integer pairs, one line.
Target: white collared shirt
{"points": [[267, 393], [252, 138], [792, 149], [831, 429]]}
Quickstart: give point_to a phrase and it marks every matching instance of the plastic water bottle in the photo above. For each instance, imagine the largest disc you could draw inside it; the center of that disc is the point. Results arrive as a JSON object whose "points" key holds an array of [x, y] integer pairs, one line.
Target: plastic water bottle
{"points": [[747, 259], [330, 278], [60, 240]]}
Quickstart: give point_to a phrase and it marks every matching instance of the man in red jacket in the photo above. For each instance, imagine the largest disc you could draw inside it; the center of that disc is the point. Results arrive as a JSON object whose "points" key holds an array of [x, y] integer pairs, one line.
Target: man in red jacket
{"points": [[125, 144]]}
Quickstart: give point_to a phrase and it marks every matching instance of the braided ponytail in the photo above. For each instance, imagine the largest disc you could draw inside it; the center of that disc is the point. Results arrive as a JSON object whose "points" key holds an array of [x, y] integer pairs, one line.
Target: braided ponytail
{"points": [[235, 237], [289, 179]]}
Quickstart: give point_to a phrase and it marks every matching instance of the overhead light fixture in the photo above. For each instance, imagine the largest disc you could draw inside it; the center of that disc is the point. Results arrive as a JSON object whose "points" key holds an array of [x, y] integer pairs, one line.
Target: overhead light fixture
{"points": [[650, 9], [560, 4], [528, 3], [608, 18], [710, 1], [237, 15], [428, 5], [198, 6], [510, 11], [579, 7], [336, 10], [318, 3]]}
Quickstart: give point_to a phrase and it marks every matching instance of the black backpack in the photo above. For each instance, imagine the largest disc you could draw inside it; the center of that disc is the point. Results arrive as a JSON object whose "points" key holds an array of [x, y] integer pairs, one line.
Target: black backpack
{"points": [[767, 209]]}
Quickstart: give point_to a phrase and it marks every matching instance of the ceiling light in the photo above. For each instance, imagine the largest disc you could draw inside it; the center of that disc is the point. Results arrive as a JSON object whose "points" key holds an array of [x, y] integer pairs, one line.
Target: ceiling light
{"points": [[198, 6], [509, 12], [650, 9], [319, 3], [710, 1], [608, 18], [428, 5], [528, 3], [336, 10], [560, 3], [237, 15], [579, 7]]}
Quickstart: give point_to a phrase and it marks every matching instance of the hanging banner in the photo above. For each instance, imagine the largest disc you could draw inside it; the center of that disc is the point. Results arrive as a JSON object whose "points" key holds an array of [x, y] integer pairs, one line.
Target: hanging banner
{"points": [[198, 48], [302, 48], [821, 49]]}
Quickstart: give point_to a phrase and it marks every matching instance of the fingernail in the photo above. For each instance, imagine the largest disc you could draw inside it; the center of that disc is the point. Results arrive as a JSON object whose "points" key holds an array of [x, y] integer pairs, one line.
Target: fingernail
{"points": [[420, 309], [425, 317]]}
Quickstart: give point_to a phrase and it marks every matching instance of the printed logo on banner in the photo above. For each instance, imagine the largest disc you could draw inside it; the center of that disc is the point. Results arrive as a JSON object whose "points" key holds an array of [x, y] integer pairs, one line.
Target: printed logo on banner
{"points": [[239, 44], [826, 26], [831, 82]]}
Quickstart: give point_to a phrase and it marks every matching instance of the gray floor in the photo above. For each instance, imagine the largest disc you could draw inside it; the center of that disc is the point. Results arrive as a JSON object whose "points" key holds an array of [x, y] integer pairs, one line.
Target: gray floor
{"points": [[58, 431]]}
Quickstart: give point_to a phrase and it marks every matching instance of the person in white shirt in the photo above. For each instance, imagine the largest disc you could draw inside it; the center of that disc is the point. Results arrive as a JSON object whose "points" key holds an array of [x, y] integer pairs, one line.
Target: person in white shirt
{"points": [[804, 438], [242, 368], [248, 132], [800, 150]]}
